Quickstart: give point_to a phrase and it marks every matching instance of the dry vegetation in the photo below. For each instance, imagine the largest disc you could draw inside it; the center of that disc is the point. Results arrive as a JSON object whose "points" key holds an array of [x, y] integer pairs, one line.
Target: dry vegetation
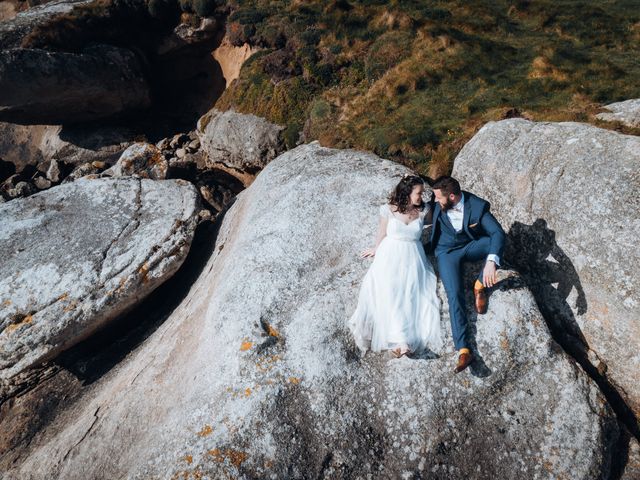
{"points": [[414, 80]]}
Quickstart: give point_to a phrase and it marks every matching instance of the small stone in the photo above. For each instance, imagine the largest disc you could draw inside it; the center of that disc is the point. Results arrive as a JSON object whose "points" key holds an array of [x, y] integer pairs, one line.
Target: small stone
{"points": [[194, 144], [181, 152], [22, 189], [209, 195], [178, 140], [53, 172], [204, 215], [81, 171], [163, 144], [42, 183]]}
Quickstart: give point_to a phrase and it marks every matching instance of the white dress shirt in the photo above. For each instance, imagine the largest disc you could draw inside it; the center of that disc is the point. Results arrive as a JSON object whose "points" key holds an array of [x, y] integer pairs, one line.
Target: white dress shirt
{"points": [[456, 216]]}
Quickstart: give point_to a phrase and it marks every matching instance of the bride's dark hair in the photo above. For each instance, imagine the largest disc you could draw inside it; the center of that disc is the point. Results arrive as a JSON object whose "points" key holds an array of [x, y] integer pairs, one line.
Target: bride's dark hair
{"points": [[400, 194]]}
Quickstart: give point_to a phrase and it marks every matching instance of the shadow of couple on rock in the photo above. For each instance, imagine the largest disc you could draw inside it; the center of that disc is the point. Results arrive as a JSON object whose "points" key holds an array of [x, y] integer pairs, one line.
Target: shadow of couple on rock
{"points": [[548, 273]]}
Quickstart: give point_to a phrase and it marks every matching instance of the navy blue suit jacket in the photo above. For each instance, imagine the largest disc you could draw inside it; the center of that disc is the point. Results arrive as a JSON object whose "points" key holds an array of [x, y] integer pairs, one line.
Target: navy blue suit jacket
{"points": [[477, 222]]}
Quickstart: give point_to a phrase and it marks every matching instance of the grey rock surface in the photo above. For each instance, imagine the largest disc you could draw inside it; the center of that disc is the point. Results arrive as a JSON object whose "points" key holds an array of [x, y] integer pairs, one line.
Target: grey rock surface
{"points": [[241, 144], [143, 159], [39, 86], [632, 468], [255, 374], [567, 195], [76, 256], [627, 112]]}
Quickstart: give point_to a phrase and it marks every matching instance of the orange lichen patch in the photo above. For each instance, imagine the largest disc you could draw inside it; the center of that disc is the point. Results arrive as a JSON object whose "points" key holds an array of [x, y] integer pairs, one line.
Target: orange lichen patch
{"points": [[246, 346], [247, 392], [119, 288], [18, 321], [294, 380], [265, 364], [143, 271], [268, 463], [73, 304], [188, 458], [236, 457], [6, 303], [504, 343], [272, 332], [63, 297], [188, 475], [206, 430]]}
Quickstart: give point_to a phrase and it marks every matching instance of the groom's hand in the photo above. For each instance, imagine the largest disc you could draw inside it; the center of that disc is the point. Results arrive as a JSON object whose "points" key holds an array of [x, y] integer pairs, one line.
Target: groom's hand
{"points": [[489, 276]]}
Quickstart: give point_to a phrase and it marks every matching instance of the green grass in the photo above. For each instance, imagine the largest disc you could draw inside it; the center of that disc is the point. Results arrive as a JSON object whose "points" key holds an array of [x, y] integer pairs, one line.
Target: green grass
{"points": [[413, 80], [410, 80]]}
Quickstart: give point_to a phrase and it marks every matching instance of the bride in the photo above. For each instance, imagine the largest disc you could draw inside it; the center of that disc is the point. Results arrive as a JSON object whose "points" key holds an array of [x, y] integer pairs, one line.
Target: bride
{"points": [[398, 308]]}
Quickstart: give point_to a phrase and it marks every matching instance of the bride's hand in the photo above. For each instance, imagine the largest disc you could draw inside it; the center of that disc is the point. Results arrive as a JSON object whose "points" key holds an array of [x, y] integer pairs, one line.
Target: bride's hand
{"points": [[369, 252]]}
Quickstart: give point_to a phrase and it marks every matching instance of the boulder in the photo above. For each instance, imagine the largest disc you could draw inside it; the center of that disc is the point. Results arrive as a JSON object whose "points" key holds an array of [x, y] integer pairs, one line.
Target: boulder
{"points": [[567, 195], [39, 86], [14, 30], [627, 112], [142, 159], [49, 87], [77, 256], [255, 373], [240, 144], [38, 145], [192, 30]]}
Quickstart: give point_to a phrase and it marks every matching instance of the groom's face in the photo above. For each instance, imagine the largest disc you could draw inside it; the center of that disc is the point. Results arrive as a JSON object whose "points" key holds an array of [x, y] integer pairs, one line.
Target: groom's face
{"points": [[445, 201]]}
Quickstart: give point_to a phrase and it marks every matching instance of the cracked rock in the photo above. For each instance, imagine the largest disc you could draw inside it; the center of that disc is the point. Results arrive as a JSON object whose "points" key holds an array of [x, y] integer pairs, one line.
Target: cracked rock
{"points": [[241, 144], [142, 159], [567, 194], [76, 256], [255, 373]]}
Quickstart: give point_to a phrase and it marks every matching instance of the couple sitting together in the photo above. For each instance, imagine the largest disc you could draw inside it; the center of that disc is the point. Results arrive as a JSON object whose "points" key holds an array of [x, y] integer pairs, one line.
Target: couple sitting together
{"points": [[398, 309]]}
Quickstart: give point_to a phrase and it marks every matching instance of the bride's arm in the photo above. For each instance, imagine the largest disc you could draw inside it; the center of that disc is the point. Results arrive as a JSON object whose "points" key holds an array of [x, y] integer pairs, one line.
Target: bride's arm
{"points": [[382, 232]]}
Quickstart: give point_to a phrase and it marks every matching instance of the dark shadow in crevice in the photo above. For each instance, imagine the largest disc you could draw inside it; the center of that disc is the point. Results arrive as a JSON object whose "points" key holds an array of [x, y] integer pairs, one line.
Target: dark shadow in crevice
{"points": [[551, 276], [94, 357]]}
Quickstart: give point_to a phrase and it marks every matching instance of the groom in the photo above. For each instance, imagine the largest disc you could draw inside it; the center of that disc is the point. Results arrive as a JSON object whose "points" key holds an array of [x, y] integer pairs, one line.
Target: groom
{"points": [[464, 230]]}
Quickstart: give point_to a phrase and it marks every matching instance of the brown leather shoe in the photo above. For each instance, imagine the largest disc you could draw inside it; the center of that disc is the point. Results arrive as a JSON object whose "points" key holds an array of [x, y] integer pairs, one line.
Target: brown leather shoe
{"points": [[481, 300], [463, 362]]}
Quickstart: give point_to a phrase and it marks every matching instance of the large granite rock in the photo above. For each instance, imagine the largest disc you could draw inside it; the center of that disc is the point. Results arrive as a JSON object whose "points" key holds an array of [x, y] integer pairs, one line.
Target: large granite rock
{"points": [[78, 255], [38, 145], [627, 112], [255, 374], [14, 30], [240, 144], [39, 86], [567, 193]]}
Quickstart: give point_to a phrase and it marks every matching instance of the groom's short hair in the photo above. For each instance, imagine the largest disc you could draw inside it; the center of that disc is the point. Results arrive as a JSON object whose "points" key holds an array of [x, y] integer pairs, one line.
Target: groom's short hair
{"points": [[447, 185]]}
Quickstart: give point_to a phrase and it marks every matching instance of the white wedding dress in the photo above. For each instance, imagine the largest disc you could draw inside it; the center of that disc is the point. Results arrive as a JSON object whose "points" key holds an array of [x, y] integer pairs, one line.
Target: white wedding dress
{"points": [[397, 304]]}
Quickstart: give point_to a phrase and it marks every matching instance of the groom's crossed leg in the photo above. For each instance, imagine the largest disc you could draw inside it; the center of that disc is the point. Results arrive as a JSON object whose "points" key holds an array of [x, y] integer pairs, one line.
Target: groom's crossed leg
{"points": [[450, 267]]}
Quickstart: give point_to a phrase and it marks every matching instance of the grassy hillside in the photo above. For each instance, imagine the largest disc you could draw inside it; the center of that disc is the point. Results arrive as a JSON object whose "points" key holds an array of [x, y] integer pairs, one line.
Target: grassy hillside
{"points": [[413, 80]]}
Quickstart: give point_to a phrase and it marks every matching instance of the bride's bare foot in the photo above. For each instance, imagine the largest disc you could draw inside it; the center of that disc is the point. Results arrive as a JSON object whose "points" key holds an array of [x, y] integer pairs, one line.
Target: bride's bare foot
{"points": [[399, 352]]}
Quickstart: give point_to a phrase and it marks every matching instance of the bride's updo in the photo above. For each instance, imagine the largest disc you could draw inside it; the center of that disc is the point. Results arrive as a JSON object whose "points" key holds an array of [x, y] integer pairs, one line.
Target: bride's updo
{"points": [[400, 194]]}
